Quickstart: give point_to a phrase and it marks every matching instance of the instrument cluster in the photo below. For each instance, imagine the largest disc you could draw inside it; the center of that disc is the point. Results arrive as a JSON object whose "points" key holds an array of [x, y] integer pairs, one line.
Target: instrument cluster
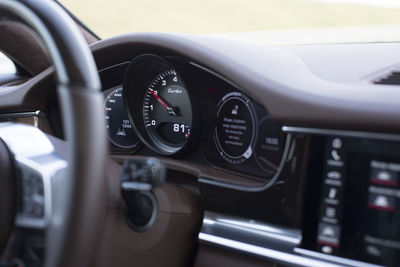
{"points": [[178, 108]]}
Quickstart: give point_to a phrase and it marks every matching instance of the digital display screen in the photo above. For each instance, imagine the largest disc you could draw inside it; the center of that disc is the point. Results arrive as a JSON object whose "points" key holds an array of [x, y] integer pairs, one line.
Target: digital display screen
{"points": [[358, 211], [371, 217]]}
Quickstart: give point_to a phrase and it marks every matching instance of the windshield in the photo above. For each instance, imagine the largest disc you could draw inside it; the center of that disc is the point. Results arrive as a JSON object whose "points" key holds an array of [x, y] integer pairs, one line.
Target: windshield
{"points": [[267, 21]]}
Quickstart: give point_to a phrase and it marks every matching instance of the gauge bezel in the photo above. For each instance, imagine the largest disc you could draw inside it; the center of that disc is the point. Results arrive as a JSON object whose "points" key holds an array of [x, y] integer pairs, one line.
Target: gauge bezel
{"points": [[140, 72]]}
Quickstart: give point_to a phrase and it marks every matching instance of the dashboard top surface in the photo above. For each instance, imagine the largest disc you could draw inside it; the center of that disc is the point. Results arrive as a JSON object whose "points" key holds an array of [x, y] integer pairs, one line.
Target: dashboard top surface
{"points": [[282, 81]]}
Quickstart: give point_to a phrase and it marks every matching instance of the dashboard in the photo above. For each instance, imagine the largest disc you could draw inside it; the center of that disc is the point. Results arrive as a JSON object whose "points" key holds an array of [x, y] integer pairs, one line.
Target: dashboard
{"points": [[294, 151], [169, 106]]}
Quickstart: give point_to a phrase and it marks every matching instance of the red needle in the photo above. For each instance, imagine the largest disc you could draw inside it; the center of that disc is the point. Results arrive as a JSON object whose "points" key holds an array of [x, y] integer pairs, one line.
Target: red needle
{"points": [[159, 99], [163, 102]]}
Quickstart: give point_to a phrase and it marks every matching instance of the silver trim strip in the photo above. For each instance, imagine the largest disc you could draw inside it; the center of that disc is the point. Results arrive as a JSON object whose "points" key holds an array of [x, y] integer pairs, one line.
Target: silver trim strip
{"points": [[271, 232], [115, 66], [274, 243], [334, 258], [345, 133], [258, 188], [10, 117], [265, 252], [251, 226], [239, 187], [37, 113]]}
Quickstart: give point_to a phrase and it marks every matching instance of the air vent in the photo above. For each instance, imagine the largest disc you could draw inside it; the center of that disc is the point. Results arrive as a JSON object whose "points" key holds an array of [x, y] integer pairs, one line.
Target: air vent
{"points": [[393, 78]]}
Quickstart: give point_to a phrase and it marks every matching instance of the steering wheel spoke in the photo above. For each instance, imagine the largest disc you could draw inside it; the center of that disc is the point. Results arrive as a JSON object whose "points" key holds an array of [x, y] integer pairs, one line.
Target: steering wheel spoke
{"points": [[62, 195], [38, 166]]}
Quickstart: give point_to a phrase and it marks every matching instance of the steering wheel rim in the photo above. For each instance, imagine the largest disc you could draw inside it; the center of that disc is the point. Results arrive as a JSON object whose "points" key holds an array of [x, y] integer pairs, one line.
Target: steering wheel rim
{"points": [[72, 232]]}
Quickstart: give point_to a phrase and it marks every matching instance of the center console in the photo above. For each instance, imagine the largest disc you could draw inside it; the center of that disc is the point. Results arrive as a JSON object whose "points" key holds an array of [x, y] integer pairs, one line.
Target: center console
{"points": [[336, 203], [352, 198]]}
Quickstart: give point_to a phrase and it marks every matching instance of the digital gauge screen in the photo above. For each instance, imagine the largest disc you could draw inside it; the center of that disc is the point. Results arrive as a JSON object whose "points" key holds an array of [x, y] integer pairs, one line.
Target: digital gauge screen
{"points": [[244, 135], [235, 130], [120, 131]]}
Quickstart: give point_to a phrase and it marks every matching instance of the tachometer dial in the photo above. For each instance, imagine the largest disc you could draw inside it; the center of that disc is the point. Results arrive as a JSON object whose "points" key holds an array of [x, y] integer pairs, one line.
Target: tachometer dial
{"points": [[120, 130], [167, 113], [159, 105]]}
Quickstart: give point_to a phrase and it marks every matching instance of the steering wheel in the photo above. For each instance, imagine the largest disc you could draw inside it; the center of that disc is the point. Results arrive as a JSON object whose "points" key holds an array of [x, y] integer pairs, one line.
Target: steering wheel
{"points": [[67, 202]]}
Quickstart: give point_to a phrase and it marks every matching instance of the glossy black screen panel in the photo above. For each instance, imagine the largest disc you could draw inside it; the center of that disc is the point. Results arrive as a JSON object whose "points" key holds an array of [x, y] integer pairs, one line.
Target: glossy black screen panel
{"points": [[352, 201]]}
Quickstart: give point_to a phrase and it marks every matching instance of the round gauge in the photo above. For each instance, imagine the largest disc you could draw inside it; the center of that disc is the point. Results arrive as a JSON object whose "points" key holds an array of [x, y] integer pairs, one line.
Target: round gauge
{"points": [[120, 130], [159, 105], [167, 112], [235, 131], [268, 150]]}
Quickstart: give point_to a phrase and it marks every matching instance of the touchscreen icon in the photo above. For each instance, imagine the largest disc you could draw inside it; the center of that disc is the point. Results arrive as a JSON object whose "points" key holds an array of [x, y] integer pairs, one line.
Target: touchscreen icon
{"points": [[330, 212], [334, 175], [381, 202], [335, 155], [235, 110], [327, 249], [328, 231], [328, 234], [332, 193], [337, 143], [373, 250], [384, 176]]}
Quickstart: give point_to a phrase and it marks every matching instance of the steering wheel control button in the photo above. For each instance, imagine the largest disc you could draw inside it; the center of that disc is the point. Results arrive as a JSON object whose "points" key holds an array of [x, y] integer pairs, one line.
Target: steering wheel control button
{"points": [[37, 164], [8, 188], [32, 195]]}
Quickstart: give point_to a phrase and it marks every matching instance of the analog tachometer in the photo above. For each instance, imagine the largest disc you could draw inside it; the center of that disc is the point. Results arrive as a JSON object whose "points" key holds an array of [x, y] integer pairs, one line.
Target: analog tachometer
{"points": [[167, 113], [159, 104]]}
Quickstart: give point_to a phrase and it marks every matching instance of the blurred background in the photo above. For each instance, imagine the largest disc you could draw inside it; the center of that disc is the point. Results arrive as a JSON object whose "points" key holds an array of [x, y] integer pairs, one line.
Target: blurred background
{"points": [[266, 21], [261, 22]]}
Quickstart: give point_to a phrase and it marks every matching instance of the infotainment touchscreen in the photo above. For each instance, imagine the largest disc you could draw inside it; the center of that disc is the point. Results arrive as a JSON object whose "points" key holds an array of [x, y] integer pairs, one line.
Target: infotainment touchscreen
{"points": [[358, 211], [371, 214]]}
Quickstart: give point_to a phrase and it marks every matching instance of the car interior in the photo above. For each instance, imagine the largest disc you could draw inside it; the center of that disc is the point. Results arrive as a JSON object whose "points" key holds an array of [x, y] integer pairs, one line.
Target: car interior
{"points": [[168, 149]]}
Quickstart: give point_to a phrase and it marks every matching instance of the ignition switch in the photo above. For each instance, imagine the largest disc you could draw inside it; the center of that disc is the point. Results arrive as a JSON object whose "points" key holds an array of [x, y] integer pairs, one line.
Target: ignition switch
{"points": [[139, 177]]}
